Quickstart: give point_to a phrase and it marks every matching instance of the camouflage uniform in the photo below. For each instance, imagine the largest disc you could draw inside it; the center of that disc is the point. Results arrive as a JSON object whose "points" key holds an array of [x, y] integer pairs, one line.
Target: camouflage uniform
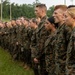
{"points": [[26, 54], [10, 39], [28, 42], [13, 40], [33, 44], [33, 52], [61, 42], [16, 50], [24, 48], [70, 62], [2, 36], [41, 35], [49, 54], [6, 38]]}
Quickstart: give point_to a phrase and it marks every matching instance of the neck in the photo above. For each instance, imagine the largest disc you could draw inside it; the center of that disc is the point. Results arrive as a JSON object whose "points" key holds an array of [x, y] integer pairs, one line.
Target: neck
{"points": [[73, 25], [60, 23], [53, 29], [43, 15], [35, 26]]}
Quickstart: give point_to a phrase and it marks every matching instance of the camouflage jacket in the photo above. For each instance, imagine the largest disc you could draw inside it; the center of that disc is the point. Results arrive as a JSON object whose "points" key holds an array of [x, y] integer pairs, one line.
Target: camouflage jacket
{"points": [[49, 52], [41, 35], [61, 41], [71, 50]]}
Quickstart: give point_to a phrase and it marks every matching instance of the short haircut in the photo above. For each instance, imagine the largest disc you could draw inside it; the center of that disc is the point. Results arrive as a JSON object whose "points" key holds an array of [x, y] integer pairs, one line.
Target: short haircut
{"points": [[43, 6], [62, 7]]}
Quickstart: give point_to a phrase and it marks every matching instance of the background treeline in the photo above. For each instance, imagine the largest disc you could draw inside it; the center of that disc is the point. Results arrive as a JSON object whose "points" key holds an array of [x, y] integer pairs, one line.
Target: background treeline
{"points": [[26, 10]]}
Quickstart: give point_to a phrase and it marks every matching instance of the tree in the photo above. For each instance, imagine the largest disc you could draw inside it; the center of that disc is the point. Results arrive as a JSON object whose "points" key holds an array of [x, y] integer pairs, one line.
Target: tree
{"points": [[26, 10], [50, 11]]}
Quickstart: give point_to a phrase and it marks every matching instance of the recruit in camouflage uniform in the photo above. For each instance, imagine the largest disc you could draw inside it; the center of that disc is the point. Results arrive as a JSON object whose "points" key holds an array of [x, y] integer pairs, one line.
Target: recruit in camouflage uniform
{"points": [[40, 11], [34, 26], [49, 46], [70, 60], [49, 55], [41, 35], [61, 42]]}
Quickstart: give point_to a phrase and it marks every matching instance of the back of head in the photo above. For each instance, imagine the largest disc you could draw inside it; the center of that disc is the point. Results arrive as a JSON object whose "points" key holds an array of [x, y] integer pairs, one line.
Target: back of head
{"points": [[34, 20], [52, 21]]}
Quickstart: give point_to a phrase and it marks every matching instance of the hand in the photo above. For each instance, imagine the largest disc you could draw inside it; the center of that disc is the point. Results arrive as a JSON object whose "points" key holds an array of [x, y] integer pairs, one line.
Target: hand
{"points": [[17, 43], [35, 60]]}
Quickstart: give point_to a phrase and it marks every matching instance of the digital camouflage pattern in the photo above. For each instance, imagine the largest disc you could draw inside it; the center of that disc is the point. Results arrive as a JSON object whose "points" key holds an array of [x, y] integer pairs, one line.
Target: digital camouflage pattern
{"points": [[70, 62], [61, 42], [41, 35], [49, 54]]}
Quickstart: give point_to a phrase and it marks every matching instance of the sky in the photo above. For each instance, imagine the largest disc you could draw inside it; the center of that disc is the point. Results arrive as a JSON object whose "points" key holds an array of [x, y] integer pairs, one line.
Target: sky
{"points": [[47, 2]]}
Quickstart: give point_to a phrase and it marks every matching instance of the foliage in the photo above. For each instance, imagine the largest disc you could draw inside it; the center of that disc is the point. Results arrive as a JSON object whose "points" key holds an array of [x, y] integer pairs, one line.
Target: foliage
{"points": [[50, 11], [26, 10]]}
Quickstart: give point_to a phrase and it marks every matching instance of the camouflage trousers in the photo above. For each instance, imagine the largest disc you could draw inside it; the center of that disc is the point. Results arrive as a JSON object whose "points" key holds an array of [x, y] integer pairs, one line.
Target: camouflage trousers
{"points": [[70, 70], [60, 69], [42, 68], [52, 70]]}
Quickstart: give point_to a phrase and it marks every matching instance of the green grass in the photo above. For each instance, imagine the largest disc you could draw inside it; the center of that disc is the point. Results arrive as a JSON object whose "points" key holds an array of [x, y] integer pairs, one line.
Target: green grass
{"points": [[10, 67], [5, 20]]}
